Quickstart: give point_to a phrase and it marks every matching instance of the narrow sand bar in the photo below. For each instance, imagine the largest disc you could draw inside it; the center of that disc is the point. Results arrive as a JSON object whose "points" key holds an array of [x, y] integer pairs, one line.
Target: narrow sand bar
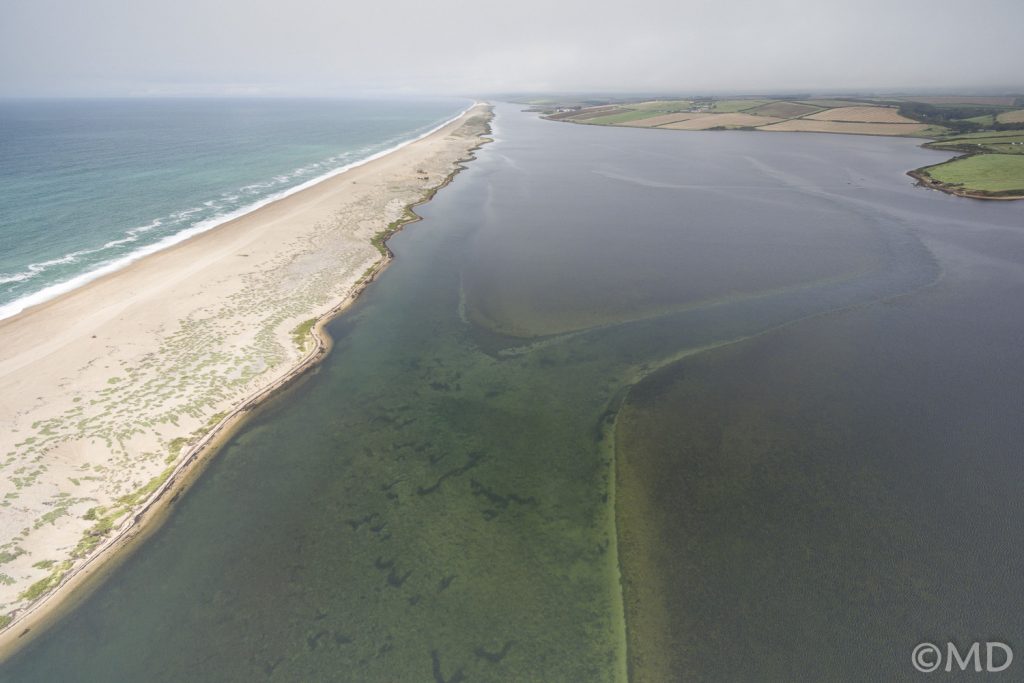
{"points": [[110, 392]]}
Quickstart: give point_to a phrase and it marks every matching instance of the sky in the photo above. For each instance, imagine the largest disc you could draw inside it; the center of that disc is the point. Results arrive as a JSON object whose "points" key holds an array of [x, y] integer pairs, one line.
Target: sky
{"points": [[339, 47]]}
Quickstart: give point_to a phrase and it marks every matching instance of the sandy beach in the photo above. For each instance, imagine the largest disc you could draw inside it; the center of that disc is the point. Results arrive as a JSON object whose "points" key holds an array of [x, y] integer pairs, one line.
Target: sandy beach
{"points": [[111, 393]]}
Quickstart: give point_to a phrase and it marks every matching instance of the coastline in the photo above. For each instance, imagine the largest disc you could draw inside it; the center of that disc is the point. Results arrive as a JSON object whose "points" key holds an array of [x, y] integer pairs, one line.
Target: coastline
{"points": [[920, 174], [926, 181], [60, 288], [447, 148]]}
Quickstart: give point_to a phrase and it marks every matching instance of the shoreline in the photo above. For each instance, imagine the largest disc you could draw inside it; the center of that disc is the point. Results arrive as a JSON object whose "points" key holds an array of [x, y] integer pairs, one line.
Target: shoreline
{"points": [[60, 288], [77, 582], [925, 180], [920, 174]]}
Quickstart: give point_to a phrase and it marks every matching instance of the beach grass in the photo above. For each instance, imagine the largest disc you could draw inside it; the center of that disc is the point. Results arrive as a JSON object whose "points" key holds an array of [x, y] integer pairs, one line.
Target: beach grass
{"points": [[300, 335]]}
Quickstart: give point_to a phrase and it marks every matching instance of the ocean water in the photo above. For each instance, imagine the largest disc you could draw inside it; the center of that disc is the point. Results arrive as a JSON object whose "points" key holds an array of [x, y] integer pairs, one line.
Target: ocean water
{"points": [[89, 185]]}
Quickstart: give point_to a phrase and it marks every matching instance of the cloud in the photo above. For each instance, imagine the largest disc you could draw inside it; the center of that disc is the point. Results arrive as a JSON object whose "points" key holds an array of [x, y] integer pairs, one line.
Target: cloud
{"points": [[310, 47]]}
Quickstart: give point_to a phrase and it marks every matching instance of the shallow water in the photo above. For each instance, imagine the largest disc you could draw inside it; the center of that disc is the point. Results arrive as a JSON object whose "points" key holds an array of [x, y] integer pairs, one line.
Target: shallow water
{"points": [[436, 502]]}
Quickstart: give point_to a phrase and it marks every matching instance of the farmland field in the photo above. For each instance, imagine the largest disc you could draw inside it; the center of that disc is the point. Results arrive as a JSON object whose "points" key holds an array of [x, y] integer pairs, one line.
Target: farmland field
{"points": [[1005, 101], [931, 131], [734, 120], [784, 110], [1015, 116], [811, 126], [875, 116], [598, 112], [988, 134], [729, 106], [662, 119], [862, 114], [982, 120], [1008, 142], [662, 105], [619, 117], [827, 103]]}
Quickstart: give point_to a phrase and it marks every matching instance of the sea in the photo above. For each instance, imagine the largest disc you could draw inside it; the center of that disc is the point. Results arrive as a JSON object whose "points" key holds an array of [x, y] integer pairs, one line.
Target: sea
{"points": [[88, 186]]}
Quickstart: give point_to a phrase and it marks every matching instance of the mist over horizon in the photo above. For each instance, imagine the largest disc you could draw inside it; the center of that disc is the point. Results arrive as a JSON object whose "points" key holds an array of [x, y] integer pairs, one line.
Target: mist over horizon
{"points": [[318, 48]]}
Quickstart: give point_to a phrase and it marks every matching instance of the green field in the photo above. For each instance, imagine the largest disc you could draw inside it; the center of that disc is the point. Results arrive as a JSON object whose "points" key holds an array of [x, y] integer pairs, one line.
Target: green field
{"points": [[1014, 116], [987, 134], [729, 106], [665, 106], [785, 110], [1004, 147], [998, 142], [996, 173], [983, 120], [589, 116], [828, 104], [931, 132], [623, 117]]}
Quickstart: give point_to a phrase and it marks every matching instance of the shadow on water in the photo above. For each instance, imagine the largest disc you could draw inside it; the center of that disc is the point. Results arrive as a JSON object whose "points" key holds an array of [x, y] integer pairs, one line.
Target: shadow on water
{"points": [[437, 503]]}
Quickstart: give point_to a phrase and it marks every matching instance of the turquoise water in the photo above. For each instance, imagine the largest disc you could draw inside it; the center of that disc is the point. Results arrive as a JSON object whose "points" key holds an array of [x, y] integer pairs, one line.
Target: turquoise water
{"points": [[86, 185]]}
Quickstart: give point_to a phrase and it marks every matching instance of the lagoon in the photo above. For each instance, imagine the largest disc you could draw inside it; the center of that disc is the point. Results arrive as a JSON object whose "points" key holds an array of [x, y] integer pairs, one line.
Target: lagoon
{"points": [[624, 399]]}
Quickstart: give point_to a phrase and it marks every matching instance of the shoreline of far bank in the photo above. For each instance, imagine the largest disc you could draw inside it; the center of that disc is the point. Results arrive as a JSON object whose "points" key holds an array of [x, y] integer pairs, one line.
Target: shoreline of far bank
{"points": [[924, 179], [921, 175], [452, 146], [846, 116]]}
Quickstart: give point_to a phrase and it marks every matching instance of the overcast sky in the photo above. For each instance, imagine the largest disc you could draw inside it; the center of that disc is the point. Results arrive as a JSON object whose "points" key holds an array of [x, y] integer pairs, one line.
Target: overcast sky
{"points": [[333, 47]]}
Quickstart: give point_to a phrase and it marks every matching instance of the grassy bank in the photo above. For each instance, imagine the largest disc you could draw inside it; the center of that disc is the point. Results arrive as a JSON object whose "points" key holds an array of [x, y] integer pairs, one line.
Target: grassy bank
{"points": [[983, 176]]}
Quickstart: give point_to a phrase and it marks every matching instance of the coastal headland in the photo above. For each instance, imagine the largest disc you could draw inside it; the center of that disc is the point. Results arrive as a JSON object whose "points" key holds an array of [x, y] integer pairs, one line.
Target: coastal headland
{"points": [[114, 392]]}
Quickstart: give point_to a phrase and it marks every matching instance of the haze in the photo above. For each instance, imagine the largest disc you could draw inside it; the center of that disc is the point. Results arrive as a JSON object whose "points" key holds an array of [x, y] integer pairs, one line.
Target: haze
{"points": [[332, 47]]}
